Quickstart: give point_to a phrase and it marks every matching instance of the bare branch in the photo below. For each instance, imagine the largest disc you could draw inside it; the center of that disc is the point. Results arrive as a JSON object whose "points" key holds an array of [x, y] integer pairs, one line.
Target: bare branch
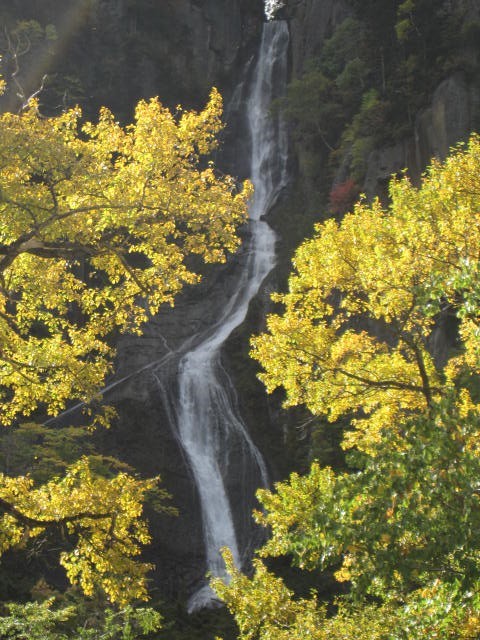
{"points": [[15, 52]]}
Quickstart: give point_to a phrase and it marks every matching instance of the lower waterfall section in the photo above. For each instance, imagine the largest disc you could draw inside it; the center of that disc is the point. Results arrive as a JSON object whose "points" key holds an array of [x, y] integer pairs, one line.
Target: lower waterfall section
{"points": [[199, 396]]}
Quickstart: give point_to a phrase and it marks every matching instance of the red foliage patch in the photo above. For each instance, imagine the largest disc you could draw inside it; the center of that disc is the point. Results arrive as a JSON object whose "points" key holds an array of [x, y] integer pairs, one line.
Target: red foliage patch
{"points": [[343, 197]]}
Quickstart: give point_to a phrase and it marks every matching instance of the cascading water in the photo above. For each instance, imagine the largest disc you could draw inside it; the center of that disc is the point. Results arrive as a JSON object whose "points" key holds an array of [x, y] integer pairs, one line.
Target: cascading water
{"points": [[203, 410]]}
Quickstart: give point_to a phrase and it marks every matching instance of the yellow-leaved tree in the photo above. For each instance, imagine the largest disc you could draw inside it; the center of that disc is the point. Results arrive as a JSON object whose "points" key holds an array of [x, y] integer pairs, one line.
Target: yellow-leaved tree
{"points": [[97, 223], [93, 218], [356, 336], [381, 326]]}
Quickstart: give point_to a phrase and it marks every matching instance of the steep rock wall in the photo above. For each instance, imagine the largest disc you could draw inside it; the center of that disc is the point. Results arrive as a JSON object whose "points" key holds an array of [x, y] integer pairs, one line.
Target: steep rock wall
{"points": [[311, 22], [452, 115], [113, 52], [143, 436]]}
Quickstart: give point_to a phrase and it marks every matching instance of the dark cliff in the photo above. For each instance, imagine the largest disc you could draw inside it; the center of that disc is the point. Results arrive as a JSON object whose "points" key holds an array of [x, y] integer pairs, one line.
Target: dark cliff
{"points": [[114, 52]]}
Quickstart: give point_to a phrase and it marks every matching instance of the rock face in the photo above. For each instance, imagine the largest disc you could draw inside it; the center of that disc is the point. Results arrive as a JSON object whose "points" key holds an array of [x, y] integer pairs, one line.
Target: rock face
{"points": [[452, 115], [201, 43], [311, 22], [449, 119], [145, 437], [114, 52]]}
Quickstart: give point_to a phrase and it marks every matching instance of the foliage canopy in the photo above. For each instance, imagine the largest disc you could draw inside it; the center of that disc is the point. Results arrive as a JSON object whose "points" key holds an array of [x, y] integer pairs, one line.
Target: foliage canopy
{"points": [[357, 332], [95, 219]]}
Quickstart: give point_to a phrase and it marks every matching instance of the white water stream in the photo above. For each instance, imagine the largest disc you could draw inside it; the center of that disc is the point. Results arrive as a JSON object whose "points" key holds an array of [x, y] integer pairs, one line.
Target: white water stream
{"points": [[206, 416]]}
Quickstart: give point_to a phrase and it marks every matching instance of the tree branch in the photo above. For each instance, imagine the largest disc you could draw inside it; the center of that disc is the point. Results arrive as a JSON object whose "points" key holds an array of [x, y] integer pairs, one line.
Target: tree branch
{"points": [[28, 521], [383, 384]]}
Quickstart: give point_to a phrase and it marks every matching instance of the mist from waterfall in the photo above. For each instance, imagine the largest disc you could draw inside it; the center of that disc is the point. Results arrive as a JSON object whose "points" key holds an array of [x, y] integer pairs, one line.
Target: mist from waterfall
{"points": [[204, 411]]}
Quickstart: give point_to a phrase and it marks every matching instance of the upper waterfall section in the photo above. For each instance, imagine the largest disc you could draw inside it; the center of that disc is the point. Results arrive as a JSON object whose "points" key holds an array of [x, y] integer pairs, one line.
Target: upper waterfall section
{"points": [[272, 6], [206, 417]]}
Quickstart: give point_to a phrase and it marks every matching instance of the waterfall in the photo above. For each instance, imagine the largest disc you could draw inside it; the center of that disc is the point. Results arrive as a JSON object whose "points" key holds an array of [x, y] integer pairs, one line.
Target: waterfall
{"points": [[204, 411]]}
